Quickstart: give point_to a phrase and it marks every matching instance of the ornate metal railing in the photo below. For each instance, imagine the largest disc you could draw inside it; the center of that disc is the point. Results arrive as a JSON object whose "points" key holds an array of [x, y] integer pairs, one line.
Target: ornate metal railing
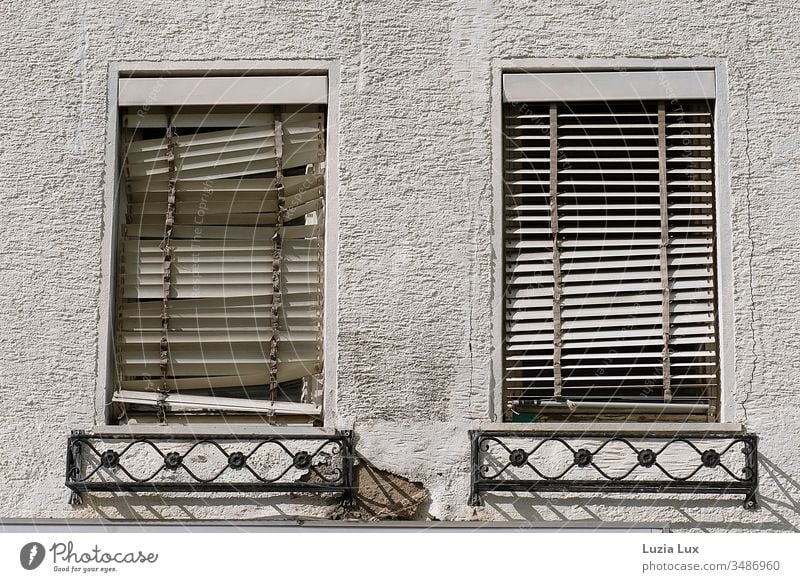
{"points": [[690, 464], [279, 463]]}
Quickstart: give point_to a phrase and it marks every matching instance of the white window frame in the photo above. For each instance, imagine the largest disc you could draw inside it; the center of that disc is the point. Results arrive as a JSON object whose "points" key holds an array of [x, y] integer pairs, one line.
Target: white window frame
{"points": [[242, 92], [725, 304]]}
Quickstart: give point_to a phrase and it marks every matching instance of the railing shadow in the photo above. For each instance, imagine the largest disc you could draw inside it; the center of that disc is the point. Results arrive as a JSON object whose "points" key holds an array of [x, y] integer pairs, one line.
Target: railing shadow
{"points": [[778, 507]]}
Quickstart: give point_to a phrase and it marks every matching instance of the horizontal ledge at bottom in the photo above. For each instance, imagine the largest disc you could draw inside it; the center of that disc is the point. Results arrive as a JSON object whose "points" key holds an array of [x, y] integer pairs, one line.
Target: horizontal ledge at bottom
{"points": [[48, 525]]}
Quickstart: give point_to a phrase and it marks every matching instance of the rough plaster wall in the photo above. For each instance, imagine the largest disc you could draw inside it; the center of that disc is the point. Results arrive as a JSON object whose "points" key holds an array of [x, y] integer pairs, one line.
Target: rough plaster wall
{"points": [[415, 254]]}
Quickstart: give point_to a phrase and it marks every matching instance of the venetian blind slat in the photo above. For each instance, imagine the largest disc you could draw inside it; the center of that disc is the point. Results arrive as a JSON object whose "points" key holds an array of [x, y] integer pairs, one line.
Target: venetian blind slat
{"points": [[636, 320], [221, 292]]}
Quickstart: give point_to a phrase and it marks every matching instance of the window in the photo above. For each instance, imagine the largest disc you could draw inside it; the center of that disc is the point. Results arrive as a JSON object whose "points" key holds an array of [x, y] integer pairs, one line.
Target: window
{"points": [[219, 278], [610, 247]]}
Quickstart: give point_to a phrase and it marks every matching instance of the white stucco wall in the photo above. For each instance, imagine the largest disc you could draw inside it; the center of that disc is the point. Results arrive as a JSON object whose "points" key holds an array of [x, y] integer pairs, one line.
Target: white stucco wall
{"points": [[415, 227]]}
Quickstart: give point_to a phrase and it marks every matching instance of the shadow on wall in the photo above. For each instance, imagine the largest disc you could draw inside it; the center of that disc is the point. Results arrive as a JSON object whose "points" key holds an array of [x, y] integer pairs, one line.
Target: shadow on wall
{"points": [[778, 506], [379, 495], [786, 500], [150, 506]]}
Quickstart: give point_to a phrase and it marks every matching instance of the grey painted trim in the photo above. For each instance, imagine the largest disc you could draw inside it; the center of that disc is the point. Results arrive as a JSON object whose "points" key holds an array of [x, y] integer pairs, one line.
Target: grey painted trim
{"points": [[608, 86], [725, 295], [230, 68], [533, 65], [331, 260], [725, 299], [210, 90], [496, 377], [110, 226], [113, 208], [43, 526]]}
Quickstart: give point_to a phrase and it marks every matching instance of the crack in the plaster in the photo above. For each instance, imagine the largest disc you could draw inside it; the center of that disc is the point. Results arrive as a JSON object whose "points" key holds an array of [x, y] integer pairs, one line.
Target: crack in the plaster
{"points": [[749, 217]]}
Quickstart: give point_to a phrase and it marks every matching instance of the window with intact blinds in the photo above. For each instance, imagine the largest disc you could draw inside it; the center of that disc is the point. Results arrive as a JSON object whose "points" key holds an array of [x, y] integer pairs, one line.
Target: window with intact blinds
{"points": [[610, 247], [220, 255]]}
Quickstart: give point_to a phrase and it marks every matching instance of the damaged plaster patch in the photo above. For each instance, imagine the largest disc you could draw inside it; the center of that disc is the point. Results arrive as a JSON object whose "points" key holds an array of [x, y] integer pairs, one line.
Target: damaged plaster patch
{"points": [[378, 494], [383, 495]]}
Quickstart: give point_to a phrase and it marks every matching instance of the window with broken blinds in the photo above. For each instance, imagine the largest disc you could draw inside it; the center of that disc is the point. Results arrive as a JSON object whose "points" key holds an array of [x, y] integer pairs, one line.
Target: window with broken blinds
{"points": [[220, 278], [610, 244]]}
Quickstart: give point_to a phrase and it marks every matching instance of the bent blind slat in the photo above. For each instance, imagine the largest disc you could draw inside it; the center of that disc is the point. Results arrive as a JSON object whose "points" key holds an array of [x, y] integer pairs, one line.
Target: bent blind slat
{"points": [[220, 296]]}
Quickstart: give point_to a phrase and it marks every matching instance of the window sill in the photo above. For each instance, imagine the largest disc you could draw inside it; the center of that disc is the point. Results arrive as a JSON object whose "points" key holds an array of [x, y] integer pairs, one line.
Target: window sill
{"points": [[210, 430], [619, 428]]}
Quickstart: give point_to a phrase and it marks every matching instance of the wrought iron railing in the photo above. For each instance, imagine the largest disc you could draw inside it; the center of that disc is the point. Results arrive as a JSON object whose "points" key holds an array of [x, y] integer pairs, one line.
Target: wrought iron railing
{"points": [[159, 463], [690, 464]]}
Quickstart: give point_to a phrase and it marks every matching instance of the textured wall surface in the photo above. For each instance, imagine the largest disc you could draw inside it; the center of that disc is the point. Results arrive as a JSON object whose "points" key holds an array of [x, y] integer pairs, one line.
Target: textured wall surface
{"points": [[414, 216]]}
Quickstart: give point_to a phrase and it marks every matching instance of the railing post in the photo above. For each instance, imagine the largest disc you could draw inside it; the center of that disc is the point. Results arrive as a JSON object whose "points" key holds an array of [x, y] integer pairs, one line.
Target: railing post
{"points": [[751, 466], [74, 462], [475, 469], [348, 460]]}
